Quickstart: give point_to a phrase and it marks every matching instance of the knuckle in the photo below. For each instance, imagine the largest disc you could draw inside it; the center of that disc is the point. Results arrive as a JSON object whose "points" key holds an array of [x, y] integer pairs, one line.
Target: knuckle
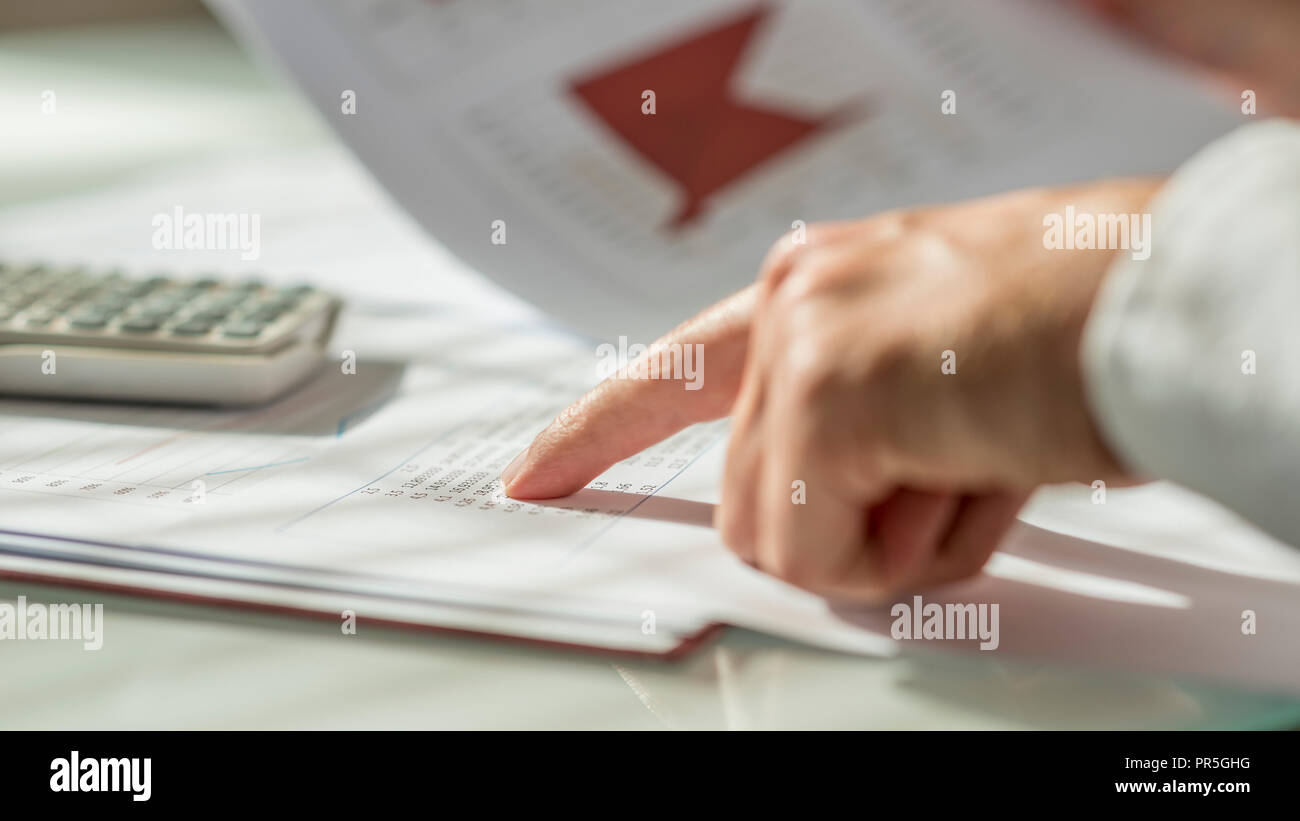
{"points": [[809, 372], [788, 252], [780, 258], [785, 300], [825, 271], [810, 364], [799, 306]]}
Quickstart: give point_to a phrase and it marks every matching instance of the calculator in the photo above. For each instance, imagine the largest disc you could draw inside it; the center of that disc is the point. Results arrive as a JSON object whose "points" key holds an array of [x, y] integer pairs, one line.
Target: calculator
{"points": [[73, 333]]}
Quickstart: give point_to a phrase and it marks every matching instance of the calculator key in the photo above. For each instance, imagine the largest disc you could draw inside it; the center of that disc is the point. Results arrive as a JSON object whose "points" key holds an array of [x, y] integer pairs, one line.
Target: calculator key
{"points": [[109, 304], [243, 329], [265, 313], [223, 303], [231, 299], [141, 325], [162, 303], [152, 315], [289, 296], [89, 320], [40, 320], [133, 289], [193, 327]]}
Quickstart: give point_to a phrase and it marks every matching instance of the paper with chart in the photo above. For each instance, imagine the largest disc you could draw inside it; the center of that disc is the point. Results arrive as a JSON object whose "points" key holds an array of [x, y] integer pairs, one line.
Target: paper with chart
{"points": [[621, 165], [379, 484]]}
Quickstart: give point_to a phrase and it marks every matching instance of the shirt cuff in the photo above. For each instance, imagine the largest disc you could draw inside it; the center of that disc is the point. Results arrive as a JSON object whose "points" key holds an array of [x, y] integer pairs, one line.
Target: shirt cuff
{"points": [[1191, 357]]}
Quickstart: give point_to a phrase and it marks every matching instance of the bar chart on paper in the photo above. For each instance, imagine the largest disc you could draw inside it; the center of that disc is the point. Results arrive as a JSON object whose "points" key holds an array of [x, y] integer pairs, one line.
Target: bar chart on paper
{"points": [[645, 155]]}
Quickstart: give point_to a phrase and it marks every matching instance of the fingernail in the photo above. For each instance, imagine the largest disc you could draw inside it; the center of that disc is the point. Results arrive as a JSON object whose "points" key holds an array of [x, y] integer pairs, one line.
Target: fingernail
{"points": [[508, 475]]}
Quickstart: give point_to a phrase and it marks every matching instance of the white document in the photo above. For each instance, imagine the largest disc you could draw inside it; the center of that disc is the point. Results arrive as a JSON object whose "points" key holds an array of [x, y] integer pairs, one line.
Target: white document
{"points": [[527, 123]]}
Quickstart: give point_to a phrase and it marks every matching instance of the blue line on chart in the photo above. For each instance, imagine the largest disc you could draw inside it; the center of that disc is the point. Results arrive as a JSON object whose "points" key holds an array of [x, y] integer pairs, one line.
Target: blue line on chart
{"points": [[258, 467], [365, 410]]}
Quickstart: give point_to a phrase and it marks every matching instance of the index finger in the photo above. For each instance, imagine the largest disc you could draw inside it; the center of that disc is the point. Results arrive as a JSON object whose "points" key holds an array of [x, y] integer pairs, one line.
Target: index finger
{"points": [[626, 413]]}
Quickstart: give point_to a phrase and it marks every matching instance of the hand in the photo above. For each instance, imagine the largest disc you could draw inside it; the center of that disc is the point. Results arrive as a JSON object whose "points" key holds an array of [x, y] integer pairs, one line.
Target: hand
{"points": [[832, 366]]}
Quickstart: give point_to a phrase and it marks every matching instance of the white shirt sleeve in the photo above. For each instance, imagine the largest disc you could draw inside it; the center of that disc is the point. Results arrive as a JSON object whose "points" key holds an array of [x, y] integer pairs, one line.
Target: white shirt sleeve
{"points": [[1191, 358]]}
